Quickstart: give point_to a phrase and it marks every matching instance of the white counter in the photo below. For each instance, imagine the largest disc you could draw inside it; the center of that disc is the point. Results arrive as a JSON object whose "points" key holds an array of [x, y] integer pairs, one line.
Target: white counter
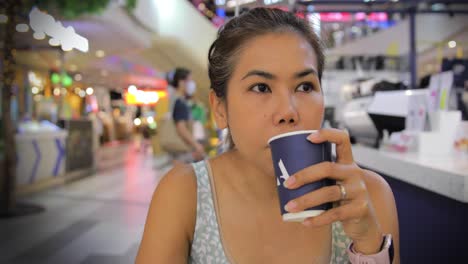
{"points": [[41, 155], [445, 175]]}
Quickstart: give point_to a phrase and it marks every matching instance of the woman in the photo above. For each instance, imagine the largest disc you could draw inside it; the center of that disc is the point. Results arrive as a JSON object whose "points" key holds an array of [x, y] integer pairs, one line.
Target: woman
{"points": [[265, 68]]}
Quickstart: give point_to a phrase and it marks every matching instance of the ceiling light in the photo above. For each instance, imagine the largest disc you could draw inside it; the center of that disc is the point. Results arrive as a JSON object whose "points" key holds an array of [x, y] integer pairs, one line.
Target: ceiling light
{"points": [[3, 19], [67, 48], [44, 24], [132, 89], [78, 77], [54, 42], [452, 44], [89, 90], [22, 28], [100, 54], [39, 35], [137, 121]]}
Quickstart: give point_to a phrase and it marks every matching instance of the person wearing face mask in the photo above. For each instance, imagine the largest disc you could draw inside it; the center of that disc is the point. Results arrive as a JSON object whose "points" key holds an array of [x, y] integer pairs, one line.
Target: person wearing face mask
{"points": [[185, 87]]}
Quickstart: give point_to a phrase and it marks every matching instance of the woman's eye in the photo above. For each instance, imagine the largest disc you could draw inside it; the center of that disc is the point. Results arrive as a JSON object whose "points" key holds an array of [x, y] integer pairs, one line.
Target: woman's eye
{"points": [[261, 88], [305, 87]]}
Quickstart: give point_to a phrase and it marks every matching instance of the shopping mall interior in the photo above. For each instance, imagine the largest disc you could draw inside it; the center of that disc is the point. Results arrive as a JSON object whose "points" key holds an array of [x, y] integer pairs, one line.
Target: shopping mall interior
{"points": [[88, 90]]}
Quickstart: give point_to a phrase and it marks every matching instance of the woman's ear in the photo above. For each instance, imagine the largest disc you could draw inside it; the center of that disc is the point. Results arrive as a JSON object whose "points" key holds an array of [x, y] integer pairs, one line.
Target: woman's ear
{"points": [[218, 106]]}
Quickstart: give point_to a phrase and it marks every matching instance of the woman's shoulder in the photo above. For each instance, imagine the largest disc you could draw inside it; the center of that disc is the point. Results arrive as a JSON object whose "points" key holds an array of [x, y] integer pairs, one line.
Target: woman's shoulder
{"points": [[177, 192], [376, 183], [381, 196], [170, 223], [181, 177]]}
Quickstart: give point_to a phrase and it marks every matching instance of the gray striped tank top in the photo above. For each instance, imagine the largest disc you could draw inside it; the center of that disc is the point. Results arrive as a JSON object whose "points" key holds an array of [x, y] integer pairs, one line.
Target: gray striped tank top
{"points": [[207, 246]]}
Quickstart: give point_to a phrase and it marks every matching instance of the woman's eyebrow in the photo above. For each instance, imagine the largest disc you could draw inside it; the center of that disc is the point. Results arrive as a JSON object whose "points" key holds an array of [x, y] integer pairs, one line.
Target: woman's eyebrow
{"points": [[260, 73], [306, 72], [271, 76]]}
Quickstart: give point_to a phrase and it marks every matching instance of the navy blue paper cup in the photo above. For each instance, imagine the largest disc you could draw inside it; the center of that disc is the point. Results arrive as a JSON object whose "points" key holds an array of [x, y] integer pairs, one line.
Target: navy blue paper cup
{"points": [[292, 152]]}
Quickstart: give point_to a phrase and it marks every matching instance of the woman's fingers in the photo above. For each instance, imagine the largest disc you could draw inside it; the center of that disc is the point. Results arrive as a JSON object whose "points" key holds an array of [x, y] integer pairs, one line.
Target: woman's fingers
{"points": [[355, 189], [315, 198], [320, 171], [340, 138], [354, 210]]}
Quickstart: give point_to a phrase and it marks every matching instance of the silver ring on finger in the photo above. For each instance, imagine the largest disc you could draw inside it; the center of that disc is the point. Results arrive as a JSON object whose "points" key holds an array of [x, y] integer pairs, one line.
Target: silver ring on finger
{"points": [[342, 191]]}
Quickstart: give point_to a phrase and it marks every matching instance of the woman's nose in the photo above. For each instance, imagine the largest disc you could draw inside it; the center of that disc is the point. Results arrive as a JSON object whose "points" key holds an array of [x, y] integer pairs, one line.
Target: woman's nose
{"points": [[286, 112]]}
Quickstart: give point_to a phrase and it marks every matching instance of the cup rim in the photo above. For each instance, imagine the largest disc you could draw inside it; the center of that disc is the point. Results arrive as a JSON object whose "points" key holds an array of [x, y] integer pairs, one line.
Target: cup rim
{"points": [[298, 132]]}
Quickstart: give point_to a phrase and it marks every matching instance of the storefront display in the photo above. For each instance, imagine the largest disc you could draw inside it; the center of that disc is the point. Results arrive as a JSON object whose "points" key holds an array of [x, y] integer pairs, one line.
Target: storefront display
{"points": [[79, 144], [41, 152]]}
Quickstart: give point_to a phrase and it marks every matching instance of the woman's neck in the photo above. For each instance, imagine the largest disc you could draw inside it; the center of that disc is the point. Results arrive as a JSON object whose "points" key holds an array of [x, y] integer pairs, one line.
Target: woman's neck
{"points": [[249, 180]]}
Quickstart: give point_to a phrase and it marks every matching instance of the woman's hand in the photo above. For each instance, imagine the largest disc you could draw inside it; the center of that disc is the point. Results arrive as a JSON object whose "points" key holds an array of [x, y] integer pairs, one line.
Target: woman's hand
{"points": [[199, 152], [355, 211]]}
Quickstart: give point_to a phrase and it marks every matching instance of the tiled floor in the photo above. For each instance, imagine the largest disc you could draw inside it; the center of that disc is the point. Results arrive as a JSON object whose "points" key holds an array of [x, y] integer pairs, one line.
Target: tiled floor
{"points": [[98, 219]]}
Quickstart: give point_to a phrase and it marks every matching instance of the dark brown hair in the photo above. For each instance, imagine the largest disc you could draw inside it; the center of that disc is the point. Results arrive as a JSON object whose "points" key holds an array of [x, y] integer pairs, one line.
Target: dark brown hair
{"points": [[256, 22], [238, 31], [180, 74]]}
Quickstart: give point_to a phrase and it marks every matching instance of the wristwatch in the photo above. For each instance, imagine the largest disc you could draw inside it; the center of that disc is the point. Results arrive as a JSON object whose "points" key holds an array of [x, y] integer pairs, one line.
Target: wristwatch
{"points": [[384, 256]]}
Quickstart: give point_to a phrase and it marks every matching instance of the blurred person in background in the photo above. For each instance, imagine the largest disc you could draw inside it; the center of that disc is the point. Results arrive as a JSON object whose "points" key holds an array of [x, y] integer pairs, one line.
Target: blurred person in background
{"points": [[185, 87], [146, 138], [170, 87], [199, 120]]}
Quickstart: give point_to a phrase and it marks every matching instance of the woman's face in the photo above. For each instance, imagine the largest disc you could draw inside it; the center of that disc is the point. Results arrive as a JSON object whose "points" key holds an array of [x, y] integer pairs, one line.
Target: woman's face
{"points": [[274, 89]]}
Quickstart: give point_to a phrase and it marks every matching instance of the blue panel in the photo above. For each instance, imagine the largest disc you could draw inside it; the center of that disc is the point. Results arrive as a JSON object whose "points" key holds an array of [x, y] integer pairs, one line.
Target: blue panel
{"points": [[60, 156], [36, 162]]}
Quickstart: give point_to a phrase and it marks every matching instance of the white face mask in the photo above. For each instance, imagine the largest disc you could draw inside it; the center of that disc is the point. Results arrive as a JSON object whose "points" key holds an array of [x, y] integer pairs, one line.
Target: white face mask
{"points": [[190, 88]]}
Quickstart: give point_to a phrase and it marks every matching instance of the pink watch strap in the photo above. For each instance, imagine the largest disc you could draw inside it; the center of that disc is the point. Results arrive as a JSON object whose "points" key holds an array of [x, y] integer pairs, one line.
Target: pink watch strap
{"points": [[381, 257]]}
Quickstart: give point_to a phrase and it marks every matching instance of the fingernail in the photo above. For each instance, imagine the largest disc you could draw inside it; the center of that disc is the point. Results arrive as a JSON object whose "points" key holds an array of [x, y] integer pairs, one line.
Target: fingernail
{"points": [[313, 136], [290, 206], [289, 182], [306, 223]]}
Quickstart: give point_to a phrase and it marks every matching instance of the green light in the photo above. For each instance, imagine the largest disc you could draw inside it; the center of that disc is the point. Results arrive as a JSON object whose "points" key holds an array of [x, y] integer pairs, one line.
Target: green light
{"points": [[55, 78], [66, 80]]}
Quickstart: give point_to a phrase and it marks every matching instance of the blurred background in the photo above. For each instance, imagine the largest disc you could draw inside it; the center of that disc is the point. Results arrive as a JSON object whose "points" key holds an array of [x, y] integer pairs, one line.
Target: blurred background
{"points": [[87, 85]]}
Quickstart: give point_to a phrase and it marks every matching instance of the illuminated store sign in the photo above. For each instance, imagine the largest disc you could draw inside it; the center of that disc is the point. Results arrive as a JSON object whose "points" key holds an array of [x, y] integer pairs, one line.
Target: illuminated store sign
{"points": [[133, 96], [348, 17], [146, 81]]}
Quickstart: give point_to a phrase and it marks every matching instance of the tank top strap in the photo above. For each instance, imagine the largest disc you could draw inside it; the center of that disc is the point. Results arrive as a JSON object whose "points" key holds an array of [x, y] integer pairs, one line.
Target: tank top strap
{"points": [[206, 245]]}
